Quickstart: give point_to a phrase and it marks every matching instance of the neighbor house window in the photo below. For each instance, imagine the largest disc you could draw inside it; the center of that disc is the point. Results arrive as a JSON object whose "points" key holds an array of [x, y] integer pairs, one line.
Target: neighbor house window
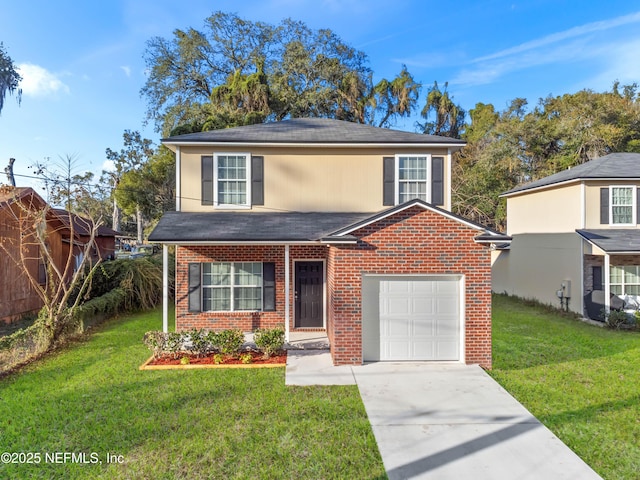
{"points": [[412, 177], [625, 280], [622, 206], [232, 286]]}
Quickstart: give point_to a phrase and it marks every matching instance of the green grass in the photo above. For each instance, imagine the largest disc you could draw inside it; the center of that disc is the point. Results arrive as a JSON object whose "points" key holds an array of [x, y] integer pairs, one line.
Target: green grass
{"points": [[197, 424], [581, 381]]}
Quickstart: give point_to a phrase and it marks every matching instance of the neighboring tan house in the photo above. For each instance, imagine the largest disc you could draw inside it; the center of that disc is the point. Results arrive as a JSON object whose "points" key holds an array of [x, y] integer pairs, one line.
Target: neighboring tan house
{"points": [[576, 237], [324, 225], [17, 204]]}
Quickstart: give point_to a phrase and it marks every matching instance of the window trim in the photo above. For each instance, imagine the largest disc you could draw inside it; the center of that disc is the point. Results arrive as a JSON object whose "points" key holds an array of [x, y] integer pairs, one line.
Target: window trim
{"points": [[232, 286], [633, 205], [247, 180], [427, 180], [623, 283]]}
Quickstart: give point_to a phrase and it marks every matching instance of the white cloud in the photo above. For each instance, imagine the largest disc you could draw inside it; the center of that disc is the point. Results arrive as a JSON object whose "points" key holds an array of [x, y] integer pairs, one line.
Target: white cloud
{"points": [[126, 69], [592, 42], [39, 82], [109, 166]]}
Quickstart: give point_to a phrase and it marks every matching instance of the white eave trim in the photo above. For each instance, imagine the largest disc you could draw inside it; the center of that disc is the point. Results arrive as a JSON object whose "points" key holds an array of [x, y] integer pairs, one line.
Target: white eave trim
{"points": [[568, 182], [236, 242], [395, 210], [325, 145]]}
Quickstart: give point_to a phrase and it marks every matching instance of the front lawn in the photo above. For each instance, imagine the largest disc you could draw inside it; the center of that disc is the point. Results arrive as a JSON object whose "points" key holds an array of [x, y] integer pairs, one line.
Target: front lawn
{"points": [[581, 381], [91, 404]]}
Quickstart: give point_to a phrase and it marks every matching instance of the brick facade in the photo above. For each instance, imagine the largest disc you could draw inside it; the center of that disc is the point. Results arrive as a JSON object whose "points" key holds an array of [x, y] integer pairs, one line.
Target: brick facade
{"points": [[246, 321], [413, 241]]}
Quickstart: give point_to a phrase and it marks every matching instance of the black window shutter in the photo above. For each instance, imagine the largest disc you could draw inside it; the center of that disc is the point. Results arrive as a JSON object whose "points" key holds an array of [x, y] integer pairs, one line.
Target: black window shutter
{"points": [[257, 180], [437, 180], [604, 206], [269, 286], [637, 205], [195, 302], [389, 181], [597, 278], [207, 180]]}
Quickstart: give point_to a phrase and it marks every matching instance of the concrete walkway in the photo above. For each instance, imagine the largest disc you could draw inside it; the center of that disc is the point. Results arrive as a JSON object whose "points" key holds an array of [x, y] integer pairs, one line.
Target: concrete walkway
{"points": [[445, 421]]}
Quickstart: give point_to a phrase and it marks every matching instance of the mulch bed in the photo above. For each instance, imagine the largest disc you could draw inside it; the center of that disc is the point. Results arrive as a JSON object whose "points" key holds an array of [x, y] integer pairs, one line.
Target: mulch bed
{"points": [[257, 359]]}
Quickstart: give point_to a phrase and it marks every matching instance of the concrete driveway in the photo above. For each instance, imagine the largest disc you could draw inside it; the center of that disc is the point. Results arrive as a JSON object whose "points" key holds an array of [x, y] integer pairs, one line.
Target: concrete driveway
{"points": [[437, 421]]}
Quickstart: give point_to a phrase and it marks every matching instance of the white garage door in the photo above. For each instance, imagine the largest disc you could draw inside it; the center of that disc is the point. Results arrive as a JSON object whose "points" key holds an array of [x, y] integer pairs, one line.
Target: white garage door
{"points": [[417, 319]]}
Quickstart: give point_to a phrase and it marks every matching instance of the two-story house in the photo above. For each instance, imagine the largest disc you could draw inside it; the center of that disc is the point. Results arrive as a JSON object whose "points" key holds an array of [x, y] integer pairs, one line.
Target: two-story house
{"points": [[575, 237], [332, 226]]}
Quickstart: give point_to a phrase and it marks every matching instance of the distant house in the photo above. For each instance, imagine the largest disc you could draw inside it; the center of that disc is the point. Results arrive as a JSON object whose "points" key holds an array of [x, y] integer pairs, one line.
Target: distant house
{"points": [[325, 225], [576, 237], [17, 295]]}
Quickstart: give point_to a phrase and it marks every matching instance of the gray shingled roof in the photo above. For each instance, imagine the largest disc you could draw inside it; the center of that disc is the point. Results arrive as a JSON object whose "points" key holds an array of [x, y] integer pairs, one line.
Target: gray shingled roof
{"points": [[249, 226], [614, 165], [311, 130], [615, 240]]}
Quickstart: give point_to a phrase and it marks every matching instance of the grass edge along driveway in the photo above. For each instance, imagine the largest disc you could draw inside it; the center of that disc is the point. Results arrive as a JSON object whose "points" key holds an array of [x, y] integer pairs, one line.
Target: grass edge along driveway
{"points": [[89, 405], [581, 381]]}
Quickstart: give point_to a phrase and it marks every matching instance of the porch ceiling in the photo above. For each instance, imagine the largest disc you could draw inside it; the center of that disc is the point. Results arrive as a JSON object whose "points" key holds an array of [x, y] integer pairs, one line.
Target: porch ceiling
{"points": [[613, 241]]}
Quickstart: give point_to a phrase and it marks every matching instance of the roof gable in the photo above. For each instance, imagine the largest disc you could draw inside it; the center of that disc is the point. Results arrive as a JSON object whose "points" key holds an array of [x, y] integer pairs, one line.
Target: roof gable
{"points": [[307, 131], [613, 166]]}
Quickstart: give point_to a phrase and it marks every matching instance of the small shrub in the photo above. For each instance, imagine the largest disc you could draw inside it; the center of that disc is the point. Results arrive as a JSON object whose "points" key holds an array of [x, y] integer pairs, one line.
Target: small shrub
{"points": [[156, 342], [269, 341], [174, 343], [218, 359], [246, 358], [185, 360], [199, 342], [616, 319], [229, 341]]}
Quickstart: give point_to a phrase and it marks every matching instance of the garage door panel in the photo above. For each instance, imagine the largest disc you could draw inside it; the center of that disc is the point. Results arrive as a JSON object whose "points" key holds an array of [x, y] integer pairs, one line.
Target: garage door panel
{"points": [[419, 319]]}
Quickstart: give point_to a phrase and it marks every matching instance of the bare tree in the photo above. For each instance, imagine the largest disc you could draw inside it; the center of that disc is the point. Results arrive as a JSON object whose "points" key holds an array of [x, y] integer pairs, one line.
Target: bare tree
{"points": [[48, 250]]}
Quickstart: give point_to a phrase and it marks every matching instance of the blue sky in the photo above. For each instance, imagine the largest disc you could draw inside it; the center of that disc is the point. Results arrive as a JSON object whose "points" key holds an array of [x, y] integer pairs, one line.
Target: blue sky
{"points": [[83, 66]]}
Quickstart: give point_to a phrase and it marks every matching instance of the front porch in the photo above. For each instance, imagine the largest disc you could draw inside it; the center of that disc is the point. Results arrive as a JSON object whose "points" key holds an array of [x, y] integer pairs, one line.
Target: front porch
{"points": [[611, 266]]}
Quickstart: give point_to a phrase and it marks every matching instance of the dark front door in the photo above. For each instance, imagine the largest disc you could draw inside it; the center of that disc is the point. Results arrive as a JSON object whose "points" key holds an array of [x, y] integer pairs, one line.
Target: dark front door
{"points": [[308, 294]]}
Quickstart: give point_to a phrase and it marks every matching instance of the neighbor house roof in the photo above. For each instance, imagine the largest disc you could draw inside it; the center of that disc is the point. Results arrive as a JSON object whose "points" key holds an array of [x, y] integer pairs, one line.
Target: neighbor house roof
{"points": [[613, 166], [614, 240], [9, 194], [282, 227], [320, 131], [81, 225]]}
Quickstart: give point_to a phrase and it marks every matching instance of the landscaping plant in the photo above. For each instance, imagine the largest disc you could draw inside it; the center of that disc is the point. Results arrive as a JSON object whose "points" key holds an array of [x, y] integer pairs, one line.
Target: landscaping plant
{"points": [[269, 341]]}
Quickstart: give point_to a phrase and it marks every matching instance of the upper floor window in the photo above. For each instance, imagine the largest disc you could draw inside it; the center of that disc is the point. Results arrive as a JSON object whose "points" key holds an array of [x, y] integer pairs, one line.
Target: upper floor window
{"points": [[231, 180], [623, 205], [410, 176]]}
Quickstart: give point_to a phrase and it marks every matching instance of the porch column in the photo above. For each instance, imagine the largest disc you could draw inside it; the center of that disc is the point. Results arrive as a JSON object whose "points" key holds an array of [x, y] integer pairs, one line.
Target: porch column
{"points": [[178, 179], [286, 293], [607, 284], [165, 288]]}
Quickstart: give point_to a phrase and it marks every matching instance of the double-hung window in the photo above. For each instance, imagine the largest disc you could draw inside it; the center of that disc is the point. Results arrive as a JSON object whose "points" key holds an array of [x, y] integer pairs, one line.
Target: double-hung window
{"points": [[232, 286], [412, 177], [625, 280], [622, 205], [231, 177]]}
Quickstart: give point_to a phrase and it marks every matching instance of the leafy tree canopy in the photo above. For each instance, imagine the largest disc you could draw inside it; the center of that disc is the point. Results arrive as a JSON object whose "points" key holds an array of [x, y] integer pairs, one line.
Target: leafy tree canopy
{"points": [[9, 77], [238, 72]]}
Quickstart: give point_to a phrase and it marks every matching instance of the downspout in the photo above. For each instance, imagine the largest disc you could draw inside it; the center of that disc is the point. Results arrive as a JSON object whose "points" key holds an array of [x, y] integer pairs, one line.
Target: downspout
{"points": [[287, 294], [607, 285], [178, 180]]}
